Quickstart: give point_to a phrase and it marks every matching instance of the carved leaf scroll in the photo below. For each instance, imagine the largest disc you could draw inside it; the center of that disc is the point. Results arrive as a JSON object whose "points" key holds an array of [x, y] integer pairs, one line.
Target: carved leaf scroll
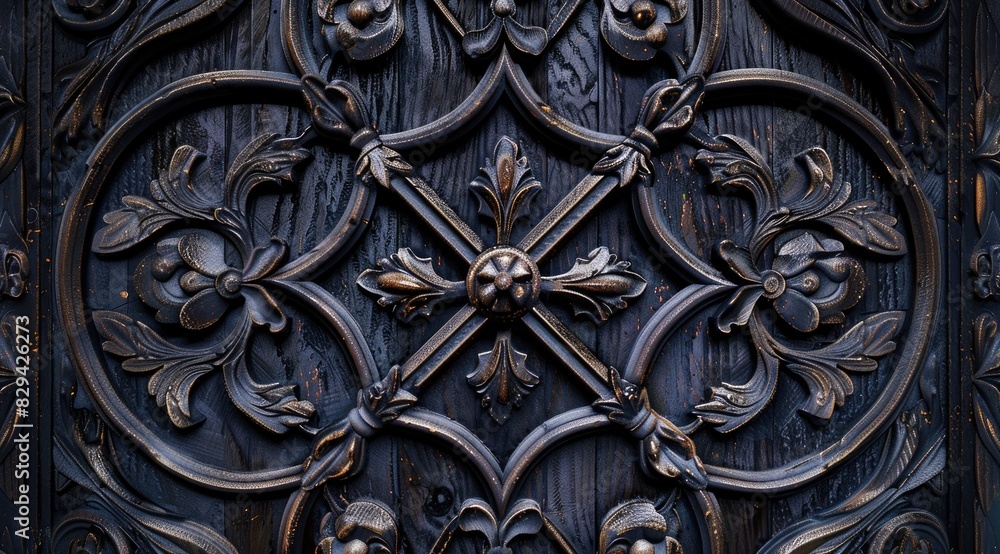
{"points": [[176, 369], [409, 284], [597, 286], [824, 371], [505, 188], [94, 80]]}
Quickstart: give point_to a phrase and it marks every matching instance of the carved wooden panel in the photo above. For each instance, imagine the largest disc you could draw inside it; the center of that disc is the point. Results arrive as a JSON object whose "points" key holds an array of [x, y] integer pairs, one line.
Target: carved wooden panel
{"points": [[428, 276]]}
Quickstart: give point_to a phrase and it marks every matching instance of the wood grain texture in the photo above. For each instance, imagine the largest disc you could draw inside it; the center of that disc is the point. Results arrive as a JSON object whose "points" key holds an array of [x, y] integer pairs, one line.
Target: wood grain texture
{"points": [[324, 444]]}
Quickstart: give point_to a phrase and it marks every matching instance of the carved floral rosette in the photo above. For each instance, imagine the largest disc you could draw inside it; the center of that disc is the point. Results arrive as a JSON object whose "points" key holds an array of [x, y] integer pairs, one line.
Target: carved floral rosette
{"points": [[252, 285]]}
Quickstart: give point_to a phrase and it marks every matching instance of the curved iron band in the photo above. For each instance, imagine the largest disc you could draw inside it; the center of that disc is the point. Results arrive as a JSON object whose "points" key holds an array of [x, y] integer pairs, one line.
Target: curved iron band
{"points": [[417, 420], [781, 85], [503, 75], [453, 434], [345, 233], [677, 256], [580, 423], [675, 311], [340, 320], [208, 88]]}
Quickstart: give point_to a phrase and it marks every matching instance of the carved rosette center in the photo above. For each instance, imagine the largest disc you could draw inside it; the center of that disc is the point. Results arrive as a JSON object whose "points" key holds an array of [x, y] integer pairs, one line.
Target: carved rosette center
{"points": [[503, 282]]}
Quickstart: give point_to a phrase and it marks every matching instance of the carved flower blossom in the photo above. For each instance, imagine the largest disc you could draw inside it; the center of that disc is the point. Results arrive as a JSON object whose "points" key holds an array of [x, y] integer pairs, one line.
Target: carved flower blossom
{"points": [[809, 282], [189, 281]]}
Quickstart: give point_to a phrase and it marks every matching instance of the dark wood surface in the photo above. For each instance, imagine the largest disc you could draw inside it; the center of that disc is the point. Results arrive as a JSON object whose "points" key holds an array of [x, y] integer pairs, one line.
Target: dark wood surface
{"points": [[803, 191]]}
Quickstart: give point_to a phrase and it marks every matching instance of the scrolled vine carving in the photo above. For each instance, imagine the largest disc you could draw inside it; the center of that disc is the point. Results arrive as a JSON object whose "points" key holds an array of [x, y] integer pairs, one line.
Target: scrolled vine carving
{"points": [[117, 518], [913, 455], [916, 112], [95, 80]]}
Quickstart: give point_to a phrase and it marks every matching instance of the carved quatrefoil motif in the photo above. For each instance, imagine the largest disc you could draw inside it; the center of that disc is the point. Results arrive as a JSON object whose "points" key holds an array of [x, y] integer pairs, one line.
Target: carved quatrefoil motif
{"points": [[504, 282]]}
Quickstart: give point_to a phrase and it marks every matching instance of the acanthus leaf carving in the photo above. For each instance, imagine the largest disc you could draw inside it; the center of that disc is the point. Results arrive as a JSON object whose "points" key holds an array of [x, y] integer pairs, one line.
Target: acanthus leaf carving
{"points": [[95, 79], [177, 194], [912, 456], [986, 380], [505, 188], [502, 378], [12, 108], [824, 371], [176, 370], [339, 449], [184, 191], [665, 451], [597, 286], [409, 284], [810, 193]]}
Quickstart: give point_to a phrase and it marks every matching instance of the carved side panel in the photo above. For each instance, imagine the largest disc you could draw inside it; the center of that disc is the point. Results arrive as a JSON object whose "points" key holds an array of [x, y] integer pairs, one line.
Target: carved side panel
{"points": [[499, 276]]}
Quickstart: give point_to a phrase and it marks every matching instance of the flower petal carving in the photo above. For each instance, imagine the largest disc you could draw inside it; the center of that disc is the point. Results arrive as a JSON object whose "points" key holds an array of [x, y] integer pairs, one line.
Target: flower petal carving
{"points": [[339, 450], [502, 378], [505, 188], [665, 451], [409, 284], [597, 286], [176, 369]]}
